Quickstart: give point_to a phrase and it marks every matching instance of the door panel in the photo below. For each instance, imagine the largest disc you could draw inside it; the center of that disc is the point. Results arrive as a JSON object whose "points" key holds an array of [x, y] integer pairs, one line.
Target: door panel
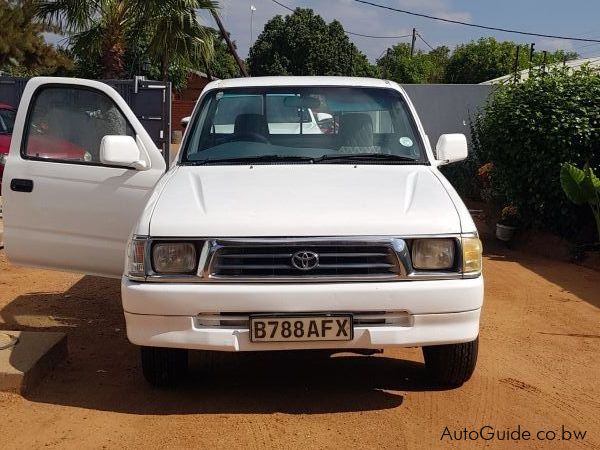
{"points": [[79, 213]]}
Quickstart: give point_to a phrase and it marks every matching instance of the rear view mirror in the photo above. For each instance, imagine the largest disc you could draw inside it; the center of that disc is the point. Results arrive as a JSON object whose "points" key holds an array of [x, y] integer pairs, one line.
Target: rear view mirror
{"points": [[321, 116], [121, 151], [451, 148], [302, 102]]}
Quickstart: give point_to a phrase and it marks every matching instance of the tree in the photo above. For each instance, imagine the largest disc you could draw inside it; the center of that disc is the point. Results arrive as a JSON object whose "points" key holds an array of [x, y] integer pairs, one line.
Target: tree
{"points": [[398, 65], [487, 59], [23, 50], [302, 43], [223, 65], [103, 30], [439, 58], [177, 36]]}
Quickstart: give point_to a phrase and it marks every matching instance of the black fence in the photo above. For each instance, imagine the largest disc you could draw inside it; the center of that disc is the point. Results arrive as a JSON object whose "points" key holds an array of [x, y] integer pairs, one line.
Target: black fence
{"points": [[149, 100]]}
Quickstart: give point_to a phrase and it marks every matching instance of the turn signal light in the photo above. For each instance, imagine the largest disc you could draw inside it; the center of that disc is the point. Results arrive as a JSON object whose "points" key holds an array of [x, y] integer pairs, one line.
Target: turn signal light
{"points": [[135, 258], [472, 255]]}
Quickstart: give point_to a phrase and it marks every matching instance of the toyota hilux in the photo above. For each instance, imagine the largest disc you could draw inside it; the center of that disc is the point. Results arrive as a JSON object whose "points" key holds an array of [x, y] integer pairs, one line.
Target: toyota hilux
{"points": [[255, 240]]}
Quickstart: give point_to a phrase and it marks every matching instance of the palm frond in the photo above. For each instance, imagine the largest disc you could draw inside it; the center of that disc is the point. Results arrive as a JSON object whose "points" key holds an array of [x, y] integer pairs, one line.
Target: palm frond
{"points": [[88, 41], [69, 15], [177, 34]]}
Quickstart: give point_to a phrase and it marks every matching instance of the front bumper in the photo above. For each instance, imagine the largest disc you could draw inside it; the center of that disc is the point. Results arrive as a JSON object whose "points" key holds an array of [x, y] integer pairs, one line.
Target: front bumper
{"points": [[164, 314]]}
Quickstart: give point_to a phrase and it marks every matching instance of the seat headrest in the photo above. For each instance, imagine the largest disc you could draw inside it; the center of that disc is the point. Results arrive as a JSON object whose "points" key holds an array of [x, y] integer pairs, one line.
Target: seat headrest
{"points": [[356, 130], [251, 123]]}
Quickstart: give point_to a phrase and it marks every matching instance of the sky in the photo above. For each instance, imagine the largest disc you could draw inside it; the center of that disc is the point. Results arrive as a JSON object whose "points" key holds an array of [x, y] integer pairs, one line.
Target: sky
{"points": [[575, 18]]}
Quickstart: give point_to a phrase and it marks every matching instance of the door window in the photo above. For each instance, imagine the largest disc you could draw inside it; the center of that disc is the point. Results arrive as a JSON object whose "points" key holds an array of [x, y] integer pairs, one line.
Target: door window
{"points": [[67, 124]]}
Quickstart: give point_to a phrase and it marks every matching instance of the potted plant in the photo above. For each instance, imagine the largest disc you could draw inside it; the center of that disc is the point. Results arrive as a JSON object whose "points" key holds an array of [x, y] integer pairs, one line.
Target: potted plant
{"points": [[508, 223]]}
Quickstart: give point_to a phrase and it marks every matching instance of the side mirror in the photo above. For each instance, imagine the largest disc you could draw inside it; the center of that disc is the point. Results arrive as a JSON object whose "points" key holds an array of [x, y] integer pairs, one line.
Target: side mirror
{"points": [[121, 151], [451, 148], [184, 122]]}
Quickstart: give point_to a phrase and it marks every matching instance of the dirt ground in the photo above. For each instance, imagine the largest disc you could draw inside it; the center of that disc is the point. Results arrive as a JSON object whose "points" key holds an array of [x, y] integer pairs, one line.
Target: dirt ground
{"points": [[538, 369]]}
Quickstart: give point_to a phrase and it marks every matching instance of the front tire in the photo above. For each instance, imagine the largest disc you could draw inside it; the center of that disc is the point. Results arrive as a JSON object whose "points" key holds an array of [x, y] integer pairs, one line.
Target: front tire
{"points": [[164, 367], [451, 364]]}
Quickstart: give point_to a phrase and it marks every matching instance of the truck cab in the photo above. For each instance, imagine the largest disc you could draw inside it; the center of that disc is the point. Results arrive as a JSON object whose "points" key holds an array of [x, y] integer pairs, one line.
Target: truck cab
{"points": [[261, 237]]}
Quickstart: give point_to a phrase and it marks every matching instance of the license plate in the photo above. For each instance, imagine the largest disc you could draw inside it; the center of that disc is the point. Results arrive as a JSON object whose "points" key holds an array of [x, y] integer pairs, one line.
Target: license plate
{"points": [[301, 328]]}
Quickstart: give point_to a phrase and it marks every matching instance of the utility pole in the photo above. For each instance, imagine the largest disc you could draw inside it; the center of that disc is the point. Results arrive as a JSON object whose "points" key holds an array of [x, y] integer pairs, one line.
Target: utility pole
{"points": [[531, 51], [232, 50], [252, 10], [412, 45], [545, 62]]}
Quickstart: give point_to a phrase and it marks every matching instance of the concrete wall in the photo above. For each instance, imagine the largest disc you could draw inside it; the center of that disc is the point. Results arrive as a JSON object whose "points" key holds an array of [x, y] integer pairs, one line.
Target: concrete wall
{"points": [[446, 108]]}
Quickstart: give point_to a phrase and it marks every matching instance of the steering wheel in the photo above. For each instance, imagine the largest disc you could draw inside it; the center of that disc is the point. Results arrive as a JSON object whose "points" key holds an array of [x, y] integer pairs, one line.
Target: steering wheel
{"points": [[251, 136]]}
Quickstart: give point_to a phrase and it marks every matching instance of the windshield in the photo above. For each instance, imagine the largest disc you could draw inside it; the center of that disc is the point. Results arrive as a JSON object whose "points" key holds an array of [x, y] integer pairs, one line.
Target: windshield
{"points": [[304, 124], [7, 121]]}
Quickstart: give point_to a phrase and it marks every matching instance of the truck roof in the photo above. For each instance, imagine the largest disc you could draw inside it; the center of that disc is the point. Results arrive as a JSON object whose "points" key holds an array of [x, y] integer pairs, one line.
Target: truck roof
{"points": [[299, 81]]}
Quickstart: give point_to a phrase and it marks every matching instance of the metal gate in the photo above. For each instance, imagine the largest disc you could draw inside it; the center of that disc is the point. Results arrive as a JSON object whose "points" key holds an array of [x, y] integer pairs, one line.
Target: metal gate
{"points": [[149, 100]]}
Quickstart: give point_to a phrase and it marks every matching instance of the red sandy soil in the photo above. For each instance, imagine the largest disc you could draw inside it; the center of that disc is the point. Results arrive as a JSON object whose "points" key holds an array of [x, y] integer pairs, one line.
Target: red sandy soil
{"points": [[538, 369]]}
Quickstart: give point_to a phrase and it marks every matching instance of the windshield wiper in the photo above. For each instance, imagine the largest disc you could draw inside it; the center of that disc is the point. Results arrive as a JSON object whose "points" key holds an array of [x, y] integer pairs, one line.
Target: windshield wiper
{"points": [[251, 159], [351, 157]]}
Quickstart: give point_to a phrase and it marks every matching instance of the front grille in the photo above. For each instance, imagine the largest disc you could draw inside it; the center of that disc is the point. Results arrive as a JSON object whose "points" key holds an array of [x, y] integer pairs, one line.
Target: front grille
{"points": [[335, 260]]}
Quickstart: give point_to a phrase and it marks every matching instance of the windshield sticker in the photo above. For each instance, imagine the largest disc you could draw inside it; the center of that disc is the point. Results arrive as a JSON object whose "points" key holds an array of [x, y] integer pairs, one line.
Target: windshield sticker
{"points": [[406, 141], [219, 96]]}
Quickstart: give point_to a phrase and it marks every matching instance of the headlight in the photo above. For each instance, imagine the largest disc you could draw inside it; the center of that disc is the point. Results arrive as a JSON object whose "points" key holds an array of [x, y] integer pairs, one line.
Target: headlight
{"points": [[174, 257], [472, 251], [135, 266], [433, 254]]}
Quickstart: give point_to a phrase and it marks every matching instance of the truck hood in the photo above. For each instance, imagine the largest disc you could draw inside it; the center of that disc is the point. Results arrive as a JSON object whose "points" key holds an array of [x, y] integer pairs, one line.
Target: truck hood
{"points": [[303, 200]]}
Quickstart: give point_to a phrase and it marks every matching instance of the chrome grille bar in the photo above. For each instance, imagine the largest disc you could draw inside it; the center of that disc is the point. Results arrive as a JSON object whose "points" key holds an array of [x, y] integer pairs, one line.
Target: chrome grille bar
{"points": [[272, 260]]}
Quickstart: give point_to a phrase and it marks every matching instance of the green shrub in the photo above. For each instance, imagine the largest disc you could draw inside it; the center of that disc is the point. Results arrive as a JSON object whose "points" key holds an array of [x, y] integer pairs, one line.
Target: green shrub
{"points": [[528, 131]]}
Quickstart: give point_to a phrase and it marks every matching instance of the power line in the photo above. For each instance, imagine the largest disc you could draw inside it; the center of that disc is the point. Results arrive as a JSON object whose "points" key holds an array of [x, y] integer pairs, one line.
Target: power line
{"points": [[587, 45], [505, 30], [377, 37], [350, 32], [426, 43], [283, 6], [594, 31]]}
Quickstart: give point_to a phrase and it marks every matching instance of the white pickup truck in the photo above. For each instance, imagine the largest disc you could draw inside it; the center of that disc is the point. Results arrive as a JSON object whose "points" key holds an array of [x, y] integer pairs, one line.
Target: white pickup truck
{"points": [[255, 241]]}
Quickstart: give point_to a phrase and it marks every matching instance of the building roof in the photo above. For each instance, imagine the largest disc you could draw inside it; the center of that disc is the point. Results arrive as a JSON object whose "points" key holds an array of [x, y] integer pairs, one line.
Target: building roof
{"points": [[202, 74], [574, 64]]}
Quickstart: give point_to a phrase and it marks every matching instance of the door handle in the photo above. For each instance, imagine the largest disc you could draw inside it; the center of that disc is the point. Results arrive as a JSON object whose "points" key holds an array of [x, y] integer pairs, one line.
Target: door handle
{"points": [[20, 185]]}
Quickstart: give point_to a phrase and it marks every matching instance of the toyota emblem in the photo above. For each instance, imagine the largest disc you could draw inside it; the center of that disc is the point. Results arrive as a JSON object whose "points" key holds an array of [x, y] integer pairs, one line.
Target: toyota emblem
{"points": [[305, 260]]}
